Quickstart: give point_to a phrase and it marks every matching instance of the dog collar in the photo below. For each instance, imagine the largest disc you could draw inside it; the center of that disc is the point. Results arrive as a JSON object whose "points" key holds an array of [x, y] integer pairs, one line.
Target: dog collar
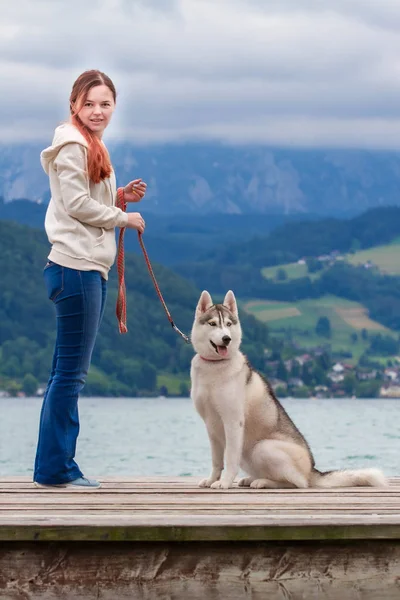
{"points": [[210, 359]]}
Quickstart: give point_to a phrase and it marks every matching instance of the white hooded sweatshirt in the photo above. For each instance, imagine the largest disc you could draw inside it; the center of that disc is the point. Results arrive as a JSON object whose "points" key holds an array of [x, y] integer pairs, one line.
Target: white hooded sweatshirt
{"points": [[81, 215]]}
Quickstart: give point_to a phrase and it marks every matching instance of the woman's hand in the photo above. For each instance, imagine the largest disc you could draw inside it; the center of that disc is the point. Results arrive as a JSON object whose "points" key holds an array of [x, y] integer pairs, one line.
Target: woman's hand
{"points": [[136, 221], [135, 190]]}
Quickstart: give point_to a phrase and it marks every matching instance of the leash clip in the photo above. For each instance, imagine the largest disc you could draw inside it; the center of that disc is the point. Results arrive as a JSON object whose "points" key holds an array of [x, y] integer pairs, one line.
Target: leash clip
{"points": [[183, 335]]}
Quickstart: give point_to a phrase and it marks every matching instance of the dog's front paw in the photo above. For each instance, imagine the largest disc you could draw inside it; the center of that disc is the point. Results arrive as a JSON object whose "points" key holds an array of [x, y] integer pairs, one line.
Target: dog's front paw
{"points": [[206, 483], [222, 484], [259, 484]]}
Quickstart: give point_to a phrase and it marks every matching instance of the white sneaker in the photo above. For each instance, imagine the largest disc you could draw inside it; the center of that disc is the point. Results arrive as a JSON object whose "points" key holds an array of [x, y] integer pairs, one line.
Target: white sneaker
{"points": [[82, 483]]}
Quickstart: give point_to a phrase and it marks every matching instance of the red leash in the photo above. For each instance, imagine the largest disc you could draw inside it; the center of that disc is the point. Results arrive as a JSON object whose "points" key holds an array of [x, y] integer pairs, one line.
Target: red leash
{"points": [[121, 299]]}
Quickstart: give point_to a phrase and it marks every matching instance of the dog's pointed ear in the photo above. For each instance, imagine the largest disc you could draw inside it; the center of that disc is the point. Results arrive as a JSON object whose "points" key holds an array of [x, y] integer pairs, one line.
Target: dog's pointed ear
{"points": [[205, 303], [230, 303]]}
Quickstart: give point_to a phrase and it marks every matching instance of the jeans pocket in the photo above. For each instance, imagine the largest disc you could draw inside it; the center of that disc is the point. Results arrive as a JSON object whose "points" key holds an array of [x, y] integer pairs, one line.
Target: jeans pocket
{"points": [[54, 279], [48, 265]]}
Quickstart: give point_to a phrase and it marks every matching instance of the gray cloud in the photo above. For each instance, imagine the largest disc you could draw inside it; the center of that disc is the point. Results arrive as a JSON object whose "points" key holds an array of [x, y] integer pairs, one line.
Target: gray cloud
{"points": [[297, 72]]}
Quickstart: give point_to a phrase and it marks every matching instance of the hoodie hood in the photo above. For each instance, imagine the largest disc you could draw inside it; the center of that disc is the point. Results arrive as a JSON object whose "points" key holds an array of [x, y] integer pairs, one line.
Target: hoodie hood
{"points": [[64, 134]]}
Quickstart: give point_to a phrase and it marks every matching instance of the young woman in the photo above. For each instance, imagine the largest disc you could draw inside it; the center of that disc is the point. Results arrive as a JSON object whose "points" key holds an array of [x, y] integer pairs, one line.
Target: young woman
{"points": [[80, 224]]}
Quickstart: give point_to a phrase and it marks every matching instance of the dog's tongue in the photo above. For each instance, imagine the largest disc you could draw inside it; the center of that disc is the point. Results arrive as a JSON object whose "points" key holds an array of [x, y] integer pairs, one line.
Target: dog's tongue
{"points": [[222, 350]]}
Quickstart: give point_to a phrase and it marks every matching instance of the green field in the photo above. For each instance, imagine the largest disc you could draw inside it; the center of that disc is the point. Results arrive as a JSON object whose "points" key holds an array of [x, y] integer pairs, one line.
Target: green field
{"points": [[298, 320], [386, 258], [172, 383], [292, 270]]}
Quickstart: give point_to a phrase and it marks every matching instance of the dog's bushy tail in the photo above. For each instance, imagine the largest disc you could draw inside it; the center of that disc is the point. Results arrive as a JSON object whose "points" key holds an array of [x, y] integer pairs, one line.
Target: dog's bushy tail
{"points": [[347, 478]]}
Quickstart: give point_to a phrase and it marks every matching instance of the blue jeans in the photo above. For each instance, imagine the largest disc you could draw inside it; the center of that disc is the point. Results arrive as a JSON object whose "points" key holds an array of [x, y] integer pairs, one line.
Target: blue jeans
{"points": [[79, 298]]}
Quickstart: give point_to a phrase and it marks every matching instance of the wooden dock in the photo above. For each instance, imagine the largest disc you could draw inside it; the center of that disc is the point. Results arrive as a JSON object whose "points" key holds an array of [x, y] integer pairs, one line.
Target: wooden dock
{"points": [[166, 539]]}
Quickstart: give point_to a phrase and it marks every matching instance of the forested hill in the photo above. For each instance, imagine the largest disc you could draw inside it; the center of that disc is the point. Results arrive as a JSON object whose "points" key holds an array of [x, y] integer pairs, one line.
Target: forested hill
{"points": [[296, 240], [327, 247], [170, 238], [122, 364]]}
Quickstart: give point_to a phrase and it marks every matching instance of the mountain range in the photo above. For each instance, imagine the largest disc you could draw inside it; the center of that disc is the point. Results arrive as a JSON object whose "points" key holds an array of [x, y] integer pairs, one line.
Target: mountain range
{"points": [[203, 179]]}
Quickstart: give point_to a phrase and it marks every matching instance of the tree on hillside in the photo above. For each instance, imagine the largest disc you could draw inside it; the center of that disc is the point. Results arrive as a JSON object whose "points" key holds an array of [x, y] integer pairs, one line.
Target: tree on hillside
{"points": [[355, 246], [383, 344], [313, 264], [281, 274], [368, 389], [296, 369], [350, 383], [323, 327], [306, 375], [319, 375], [324, 360], [281, 372], [30, 384]]}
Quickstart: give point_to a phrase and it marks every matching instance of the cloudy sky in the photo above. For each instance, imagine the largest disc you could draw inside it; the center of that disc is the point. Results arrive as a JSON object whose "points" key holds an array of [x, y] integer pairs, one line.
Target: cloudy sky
{"points": [[282, 72]]}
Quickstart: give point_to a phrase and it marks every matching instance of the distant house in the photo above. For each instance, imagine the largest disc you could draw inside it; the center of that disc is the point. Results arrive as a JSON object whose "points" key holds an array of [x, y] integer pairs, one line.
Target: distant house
{"points": [[301, 261], [338, 368], [303, 359], [321, 391], [391, 391], [366, 375], [391, 374], [336, 377]]}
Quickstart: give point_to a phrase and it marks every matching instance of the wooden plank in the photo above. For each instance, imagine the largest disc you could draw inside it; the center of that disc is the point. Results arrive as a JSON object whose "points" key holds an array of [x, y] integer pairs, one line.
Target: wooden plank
{"points": [[131, 506], [128, 510], [265, 519], [182, 484], [139, 479], [191, 531], [217, 496], [191, 528], [188, 507], [66, 495], [310, 493], [160, 510]]}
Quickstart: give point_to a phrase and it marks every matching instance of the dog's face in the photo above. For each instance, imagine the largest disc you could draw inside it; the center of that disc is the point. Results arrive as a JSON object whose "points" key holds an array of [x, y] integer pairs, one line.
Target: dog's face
{"points": [[216, 332]]}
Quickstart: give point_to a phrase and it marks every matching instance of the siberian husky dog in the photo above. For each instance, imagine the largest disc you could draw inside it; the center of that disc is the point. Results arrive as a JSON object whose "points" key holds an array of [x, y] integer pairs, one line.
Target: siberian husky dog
{"points": [[247, 426]]}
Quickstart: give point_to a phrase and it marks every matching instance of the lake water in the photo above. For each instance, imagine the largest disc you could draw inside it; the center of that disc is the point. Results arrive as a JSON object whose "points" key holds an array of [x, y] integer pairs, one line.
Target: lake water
{"points": [[157, 436]]}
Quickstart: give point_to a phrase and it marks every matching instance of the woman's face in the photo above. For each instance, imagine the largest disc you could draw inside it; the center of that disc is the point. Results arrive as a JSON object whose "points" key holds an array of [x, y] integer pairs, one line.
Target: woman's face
{"points": [[97, 111]]}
